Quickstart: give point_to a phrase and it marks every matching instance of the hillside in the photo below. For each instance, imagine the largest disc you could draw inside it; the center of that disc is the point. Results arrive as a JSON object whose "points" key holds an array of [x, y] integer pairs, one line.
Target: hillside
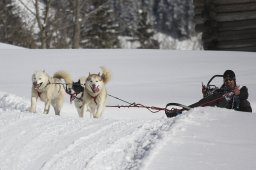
{"points": [[202, 138], [99, 24]]}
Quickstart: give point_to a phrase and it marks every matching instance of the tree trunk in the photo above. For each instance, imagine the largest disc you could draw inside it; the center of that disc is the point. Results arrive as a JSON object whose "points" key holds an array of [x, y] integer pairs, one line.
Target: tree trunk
{"points": [[43, 22], [76, 38]]}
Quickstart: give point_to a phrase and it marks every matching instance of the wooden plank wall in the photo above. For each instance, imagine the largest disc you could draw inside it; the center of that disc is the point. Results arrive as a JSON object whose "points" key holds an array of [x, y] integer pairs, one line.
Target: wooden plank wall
{"points": [[226, 24]]}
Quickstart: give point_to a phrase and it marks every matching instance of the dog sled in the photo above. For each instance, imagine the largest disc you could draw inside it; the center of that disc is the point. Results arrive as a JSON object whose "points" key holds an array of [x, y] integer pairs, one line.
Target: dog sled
{"points": [[211, 95]]}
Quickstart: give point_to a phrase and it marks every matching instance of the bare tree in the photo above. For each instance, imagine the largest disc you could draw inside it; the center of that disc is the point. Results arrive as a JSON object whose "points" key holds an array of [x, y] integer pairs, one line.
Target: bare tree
{"points": [[43, 22]]}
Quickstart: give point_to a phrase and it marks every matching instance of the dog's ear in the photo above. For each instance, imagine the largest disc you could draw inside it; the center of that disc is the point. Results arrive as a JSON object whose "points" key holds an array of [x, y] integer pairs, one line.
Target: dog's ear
{"points": [[99, 74], [89, 73], [79, 81]]}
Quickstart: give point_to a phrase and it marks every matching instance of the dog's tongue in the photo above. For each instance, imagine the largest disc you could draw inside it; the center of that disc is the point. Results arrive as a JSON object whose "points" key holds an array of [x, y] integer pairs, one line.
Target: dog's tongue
{"points": [[37, 86], [72, 97], [95, 89]]}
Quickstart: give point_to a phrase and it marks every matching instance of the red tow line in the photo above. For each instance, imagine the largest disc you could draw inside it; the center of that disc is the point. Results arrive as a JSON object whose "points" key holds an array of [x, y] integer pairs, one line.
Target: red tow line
{"points": [[152, 109]]}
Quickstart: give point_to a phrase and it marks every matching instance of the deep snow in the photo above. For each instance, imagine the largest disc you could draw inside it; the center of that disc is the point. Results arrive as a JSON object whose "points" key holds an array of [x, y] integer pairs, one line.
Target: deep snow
{"points": [[203, 138]]}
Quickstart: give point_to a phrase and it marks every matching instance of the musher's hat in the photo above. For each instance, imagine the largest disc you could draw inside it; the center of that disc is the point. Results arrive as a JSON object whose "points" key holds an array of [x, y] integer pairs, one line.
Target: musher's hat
{"points": [[229, 74]]}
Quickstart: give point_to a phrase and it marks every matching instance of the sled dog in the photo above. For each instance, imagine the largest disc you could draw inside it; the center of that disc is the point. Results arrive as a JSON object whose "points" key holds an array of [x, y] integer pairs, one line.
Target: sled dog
{"points": [[90, 94], [50, 90]]}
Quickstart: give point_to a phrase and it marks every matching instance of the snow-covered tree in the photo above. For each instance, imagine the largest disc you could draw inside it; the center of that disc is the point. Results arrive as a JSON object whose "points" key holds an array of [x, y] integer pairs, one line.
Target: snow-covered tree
{"points": [[12, 28], [173, 17], [99, 29], [144, 32], [101, 23]]}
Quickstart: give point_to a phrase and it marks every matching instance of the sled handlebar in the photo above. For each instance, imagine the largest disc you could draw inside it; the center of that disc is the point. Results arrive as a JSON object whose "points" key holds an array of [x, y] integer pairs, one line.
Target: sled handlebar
{"points": [[208, 84]]}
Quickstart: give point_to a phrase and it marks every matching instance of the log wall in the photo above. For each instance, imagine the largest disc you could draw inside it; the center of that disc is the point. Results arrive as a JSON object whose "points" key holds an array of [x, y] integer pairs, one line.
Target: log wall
{"points": [[226, 24]]}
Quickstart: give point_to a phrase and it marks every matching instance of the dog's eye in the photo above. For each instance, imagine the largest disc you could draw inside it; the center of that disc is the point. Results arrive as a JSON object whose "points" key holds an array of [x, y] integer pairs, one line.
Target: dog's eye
{"points": [[40, 78]]}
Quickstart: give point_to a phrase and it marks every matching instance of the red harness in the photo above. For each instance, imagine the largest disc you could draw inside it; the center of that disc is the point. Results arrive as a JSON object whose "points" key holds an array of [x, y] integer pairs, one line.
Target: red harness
{"points": [[39, 94], [94, 98]]}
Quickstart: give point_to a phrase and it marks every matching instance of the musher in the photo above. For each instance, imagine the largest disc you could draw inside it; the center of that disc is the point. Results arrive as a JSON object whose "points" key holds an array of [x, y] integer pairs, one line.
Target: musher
{"points": [[235, 98]]}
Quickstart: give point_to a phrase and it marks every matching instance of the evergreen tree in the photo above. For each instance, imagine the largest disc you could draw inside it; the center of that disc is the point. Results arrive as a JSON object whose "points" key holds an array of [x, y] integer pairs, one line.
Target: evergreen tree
{"points": [[100, 29], [12, 28], [173, 17], [145, 32], [100, 22], [126, 12], [62, 25]]}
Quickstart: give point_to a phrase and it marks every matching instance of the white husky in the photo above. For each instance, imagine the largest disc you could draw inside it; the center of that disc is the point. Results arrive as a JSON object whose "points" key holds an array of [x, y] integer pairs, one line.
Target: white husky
{"points": [[49, 89], [90, 94]]}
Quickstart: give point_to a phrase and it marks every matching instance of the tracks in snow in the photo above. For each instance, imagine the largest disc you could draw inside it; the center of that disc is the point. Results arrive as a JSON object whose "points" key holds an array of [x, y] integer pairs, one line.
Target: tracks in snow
{"points": [[36, 141], [110, 144]]}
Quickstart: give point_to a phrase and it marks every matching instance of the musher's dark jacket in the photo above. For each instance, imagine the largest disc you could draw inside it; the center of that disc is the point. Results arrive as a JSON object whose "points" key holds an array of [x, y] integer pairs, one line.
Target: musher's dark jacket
{"points": [[229, 101]]}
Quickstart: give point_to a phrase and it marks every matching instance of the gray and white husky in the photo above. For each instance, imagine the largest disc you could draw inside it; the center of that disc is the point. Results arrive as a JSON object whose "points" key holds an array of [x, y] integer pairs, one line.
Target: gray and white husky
{"points": [[49, 89], [90, 93]]}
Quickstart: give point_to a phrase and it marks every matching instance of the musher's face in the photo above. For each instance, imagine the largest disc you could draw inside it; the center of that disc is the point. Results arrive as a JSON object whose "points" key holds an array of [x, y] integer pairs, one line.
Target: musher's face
{"points": [[230, 83]]}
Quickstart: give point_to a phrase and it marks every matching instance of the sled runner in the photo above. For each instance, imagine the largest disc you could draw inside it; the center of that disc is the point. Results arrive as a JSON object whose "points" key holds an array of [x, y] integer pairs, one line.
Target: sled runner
{"points": [[211, 94]]}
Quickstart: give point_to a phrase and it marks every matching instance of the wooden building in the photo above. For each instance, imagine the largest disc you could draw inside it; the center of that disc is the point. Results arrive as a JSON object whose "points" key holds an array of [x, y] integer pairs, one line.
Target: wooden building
{"points": [[226, 24]]}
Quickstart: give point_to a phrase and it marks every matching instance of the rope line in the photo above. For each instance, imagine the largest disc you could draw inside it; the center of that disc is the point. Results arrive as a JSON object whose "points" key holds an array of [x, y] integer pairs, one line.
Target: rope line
{"points": [[152, 109]]}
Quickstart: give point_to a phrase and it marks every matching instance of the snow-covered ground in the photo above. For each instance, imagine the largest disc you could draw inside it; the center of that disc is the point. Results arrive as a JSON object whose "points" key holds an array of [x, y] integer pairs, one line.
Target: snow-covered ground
{"points": [[7, 46], [202, 138]]}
